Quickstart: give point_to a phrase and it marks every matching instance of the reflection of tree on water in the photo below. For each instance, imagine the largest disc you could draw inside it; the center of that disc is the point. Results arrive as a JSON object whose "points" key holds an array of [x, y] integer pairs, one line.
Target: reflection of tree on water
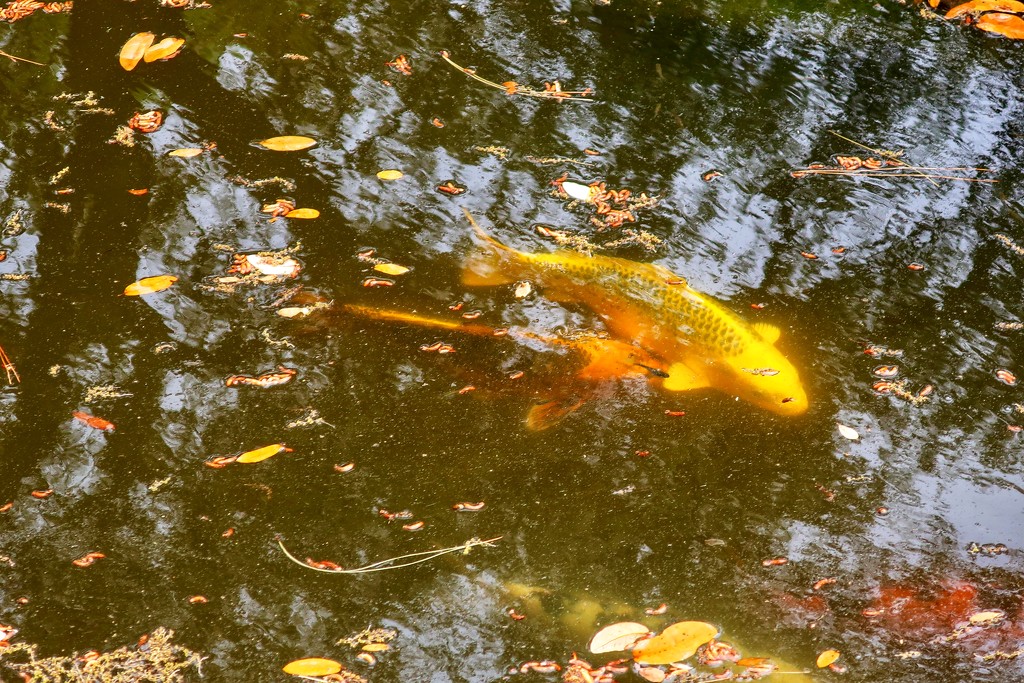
{"points": [[751, 97], [83, 258]]}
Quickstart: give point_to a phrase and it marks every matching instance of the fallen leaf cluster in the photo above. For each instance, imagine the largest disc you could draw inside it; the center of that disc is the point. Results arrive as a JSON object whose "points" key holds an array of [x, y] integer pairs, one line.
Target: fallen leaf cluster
{"points": [[1001, 17], [552, 90], [612, 208], [21, 9], [154, 658]]}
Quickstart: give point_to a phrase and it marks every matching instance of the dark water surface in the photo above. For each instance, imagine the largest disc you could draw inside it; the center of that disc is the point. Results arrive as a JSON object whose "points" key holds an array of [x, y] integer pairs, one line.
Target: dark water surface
{"points": [[750, 89]]}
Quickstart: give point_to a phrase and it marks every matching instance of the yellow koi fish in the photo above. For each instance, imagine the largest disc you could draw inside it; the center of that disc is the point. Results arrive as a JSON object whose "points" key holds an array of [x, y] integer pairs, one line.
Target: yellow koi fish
{"points": [[590, 362], [703, 343]]}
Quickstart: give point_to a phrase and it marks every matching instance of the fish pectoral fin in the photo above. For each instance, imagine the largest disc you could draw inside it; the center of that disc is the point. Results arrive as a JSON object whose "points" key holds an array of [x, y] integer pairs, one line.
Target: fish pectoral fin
{"points": [[682, 378], [547, 415], [769, 333], [655, 372]]}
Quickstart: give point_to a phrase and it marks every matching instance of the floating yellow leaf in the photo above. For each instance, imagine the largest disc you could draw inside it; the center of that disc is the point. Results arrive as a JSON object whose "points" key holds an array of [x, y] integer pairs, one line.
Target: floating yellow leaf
{"points": [[165, 49], [135, 49], [615, 637], [186, 152], [148, 285], [295, 311], [676, 643], [1009, 25], [979, 6], [287, 143], [312, 666], [390, 174], [302, 213], [391, 269], [375, 647], [986, 618], [827, 657], [261, 454]]}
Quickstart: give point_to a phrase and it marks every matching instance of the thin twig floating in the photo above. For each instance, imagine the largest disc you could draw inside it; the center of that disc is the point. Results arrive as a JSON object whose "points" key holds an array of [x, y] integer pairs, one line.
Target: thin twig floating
{"points": [[888, 155], [551, 90], [14, 58], [865, 173], [394, 562], [888, 164], [12, 374]]}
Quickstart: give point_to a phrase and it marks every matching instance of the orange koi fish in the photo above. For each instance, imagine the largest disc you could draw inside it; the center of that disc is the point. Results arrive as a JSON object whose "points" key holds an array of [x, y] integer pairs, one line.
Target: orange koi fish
{"points": [[702, 342]]}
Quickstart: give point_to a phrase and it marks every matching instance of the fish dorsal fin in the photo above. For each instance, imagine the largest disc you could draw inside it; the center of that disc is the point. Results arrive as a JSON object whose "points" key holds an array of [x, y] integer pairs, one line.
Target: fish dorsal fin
{"points": [[547, 415], [682, 378], [669, 277], [769, 333]]}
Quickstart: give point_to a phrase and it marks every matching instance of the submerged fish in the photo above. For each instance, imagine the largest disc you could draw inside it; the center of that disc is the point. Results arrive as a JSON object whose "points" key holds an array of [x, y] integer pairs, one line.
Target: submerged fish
{"points": [[591, 363], [703, 343]]}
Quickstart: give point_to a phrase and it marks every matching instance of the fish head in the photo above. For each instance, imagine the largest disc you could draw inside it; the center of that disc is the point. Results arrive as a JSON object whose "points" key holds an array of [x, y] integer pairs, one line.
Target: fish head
{"points": [[763, 376]]}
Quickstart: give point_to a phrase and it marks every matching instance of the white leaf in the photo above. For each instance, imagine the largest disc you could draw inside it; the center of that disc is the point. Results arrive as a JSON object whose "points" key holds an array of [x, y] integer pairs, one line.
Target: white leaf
{"points": [[849, 432], [620, 636], [523, 289], [576, 191], [288, 266]]}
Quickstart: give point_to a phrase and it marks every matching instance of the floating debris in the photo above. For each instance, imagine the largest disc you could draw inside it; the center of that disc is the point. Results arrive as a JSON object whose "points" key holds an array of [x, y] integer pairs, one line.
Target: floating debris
{"points": [[551, 90], [155, 655]]}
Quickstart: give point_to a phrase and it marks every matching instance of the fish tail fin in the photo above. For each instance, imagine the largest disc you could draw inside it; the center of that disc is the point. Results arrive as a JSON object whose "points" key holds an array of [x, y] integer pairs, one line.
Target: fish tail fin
{"points": [[547, 415], [387, 315], [416, 320], [491, 262]]}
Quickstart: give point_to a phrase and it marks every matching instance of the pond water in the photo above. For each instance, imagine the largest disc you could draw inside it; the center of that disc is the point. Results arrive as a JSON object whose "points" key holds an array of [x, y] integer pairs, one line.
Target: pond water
{"points": [[624, 504]]}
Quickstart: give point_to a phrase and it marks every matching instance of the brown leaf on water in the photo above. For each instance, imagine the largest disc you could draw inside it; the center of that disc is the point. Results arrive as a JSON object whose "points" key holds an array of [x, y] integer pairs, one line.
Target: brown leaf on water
{"points": [[312, 666], [88, 559], [148, 285], [93, 421], [676, 643], [753, 661], [167, 48], [287, 143], [451, 188], [886, 371], [979, 6], [652, 674], [617, 637], [1006, 377], [1009, 25], [135, 49], [401, 65]]}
